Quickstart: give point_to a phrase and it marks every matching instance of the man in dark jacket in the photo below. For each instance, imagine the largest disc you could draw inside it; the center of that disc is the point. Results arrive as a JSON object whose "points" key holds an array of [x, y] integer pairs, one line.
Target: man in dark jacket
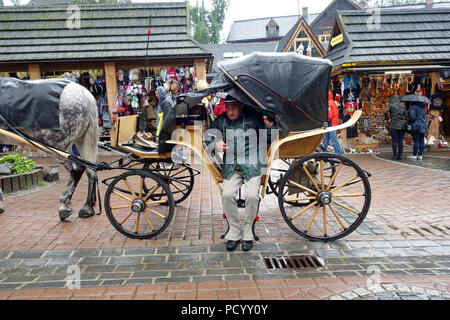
{"points": [[396, 112], [243, 162], [417, 118]]}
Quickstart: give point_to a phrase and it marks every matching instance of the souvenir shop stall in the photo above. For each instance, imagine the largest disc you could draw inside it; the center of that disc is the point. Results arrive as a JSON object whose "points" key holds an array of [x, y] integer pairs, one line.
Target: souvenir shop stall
{"points": [[135, 95], [371, 93]]}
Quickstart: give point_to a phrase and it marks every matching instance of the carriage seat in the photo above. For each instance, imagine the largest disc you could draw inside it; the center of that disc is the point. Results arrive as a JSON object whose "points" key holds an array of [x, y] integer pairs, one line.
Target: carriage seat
{"points": [[125, 132]]}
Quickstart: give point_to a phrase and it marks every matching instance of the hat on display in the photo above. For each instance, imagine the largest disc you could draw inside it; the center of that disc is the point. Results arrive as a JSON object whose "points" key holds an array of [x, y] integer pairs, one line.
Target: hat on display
{"points": [[120, 74], [181, 72], [166, 86], [174, 88], [172, 73], [163, 73]]}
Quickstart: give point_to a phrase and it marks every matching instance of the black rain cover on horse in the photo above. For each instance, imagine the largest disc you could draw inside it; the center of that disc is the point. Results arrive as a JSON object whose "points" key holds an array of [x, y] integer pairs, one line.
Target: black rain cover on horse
{"points": [[31, 104], [291, 87]]}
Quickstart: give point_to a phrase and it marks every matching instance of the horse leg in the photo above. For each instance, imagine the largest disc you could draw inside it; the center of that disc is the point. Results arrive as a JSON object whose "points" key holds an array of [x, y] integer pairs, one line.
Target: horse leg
{"points": [[1, 201], [75, 171], [88, 208], [89, 151]]}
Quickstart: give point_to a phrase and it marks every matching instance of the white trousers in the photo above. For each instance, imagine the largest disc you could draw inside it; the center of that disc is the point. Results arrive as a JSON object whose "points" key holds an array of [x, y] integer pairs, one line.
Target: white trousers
{"points": [[230, 191]]}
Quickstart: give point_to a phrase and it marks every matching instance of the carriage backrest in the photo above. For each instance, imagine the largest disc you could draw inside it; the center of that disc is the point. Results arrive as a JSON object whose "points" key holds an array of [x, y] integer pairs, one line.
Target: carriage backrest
{"points": [[125, 128]]}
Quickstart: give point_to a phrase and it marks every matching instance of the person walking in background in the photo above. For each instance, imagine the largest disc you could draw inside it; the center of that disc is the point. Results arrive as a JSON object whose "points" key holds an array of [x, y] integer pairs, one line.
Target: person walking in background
{"points": [[333, 120], [397, 114], [417, 118]]}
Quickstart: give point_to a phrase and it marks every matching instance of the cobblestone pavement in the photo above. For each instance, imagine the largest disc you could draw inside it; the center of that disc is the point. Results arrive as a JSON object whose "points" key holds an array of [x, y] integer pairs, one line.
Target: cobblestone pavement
{"points": [[436, 162], [403, 242]]}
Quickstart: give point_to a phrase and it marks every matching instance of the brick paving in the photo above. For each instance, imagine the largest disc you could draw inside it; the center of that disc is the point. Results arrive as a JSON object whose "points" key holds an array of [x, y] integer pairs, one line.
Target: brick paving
{"points": [[404, 238]]}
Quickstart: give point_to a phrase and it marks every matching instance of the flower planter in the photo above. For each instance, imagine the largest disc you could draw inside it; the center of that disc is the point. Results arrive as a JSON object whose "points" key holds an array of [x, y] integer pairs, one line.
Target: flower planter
{"points": [[23, 181]]}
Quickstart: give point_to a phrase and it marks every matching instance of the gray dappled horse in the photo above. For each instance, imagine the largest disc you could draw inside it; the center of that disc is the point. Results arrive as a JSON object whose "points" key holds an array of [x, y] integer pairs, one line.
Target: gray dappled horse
{"points": [[78, 126]]}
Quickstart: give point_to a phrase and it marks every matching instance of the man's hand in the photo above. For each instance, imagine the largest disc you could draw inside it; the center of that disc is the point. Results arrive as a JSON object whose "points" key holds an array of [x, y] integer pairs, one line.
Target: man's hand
{"points": [[268, 123], [221, 146]]}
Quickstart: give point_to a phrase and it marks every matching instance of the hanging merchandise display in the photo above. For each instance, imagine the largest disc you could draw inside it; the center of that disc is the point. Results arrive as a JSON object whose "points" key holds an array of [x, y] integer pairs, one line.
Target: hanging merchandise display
{"points": [[135, 93], [437, 100]]}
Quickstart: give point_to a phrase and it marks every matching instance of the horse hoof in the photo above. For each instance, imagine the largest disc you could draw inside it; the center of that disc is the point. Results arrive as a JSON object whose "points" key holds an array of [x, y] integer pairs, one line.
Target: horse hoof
{"points": [[85, 213], [64, 214]]}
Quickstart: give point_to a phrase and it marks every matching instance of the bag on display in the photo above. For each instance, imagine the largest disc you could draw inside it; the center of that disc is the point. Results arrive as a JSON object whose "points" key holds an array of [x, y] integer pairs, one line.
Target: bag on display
{"points": [[106, 118], [437, 100]]}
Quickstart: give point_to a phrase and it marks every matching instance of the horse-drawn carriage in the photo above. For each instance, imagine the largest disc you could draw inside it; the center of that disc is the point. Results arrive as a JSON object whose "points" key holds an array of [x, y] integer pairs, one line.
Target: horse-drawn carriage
{"points": [[321, 196]]}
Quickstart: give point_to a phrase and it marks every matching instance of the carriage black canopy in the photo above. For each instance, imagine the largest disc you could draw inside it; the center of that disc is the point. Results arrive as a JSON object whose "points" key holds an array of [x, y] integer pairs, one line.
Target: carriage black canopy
{"points": [[287, 86]]}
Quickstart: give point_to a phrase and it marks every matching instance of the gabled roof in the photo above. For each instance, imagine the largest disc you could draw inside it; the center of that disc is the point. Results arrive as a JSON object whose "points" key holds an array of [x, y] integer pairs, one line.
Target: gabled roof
{"points": [[219, 50], [324, 11], [286, 41], [408, 35], [255, 29], [282, 46], [106, 33]]}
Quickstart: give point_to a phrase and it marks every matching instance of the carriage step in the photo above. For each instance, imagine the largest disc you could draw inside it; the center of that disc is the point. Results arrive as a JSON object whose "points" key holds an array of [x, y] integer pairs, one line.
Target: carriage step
{"points": [[293, 262]]}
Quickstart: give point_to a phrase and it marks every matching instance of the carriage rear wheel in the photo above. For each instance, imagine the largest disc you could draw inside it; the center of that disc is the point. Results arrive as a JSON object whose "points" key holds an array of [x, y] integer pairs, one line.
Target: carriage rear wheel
{"points": [[338, 192], [134, 213], [181, 182]]}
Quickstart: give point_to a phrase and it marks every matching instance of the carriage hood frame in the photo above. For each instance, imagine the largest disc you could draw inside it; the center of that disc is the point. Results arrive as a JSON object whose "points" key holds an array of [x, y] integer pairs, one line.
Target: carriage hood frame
{"points": [[289, 87]]}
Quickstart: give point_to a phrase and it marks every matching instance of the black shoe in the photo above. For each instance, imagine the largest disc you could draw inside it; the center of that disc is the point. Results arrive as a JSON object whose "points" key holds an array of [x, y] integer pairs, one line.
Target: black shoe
{"points": [[231, 245], [247, 245], [399, 157], [394, 157]]}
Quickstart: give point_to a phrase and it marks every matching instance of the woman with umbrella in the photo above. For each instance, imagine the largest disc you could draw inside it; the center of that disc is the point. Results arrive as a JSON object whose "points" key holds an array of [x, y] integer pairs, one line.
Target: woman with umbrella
{"points": [[417, 119]]}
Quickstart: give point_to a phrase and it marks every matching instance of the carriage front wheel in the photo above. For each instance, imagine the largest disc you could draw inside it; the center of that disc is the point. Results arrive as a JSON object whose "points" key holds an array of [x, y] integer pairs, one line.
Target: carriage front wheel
{"points": [[336, 191], [130, 207]]}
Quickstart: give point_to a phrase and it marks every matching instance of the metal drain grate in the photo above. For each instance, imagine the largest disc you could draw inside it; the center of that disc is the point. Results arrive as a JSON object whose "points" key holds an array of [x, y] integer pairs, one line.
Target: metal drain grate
{"points": [[293, 262]]}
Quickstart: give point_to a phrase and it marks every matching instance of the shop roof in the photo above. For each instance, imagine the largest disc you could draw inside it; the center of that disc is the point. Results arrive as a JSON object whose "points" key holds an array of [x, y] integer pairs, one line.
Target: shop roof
{"points": [[255, 29], [106, 33], [230, 50], [401, 35]]}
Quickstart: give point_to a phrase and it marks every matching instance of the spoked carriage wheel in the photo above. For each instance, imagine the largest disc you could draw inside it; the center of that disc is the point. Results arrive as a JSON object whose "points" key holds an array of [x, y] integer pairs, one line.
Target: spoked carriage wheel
{"points": [[278, 171], [134, 213], [182, 181], [339, 202]]}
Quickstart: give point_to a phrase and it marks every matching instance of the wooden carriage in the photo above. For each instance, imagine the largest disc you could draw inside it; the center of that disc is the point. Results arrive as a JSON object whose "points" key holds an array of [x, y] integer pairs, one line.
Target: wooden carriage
{"points": [[303, 180]]}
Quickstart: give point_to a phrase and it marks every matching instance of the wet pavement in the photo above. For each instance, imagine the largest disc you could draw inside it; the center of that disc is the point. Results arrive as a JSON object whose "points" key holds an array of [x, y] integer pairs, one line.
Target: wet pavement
{"points": [[400, 251], [430, 162]]}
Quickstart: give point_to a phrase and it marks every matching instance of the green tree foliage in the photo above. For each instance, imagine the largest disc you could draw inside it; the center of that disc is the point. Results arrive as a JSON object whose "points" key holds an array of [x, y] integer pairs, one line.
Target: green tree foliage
{"points": [[216, 19], [207, 24]]}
